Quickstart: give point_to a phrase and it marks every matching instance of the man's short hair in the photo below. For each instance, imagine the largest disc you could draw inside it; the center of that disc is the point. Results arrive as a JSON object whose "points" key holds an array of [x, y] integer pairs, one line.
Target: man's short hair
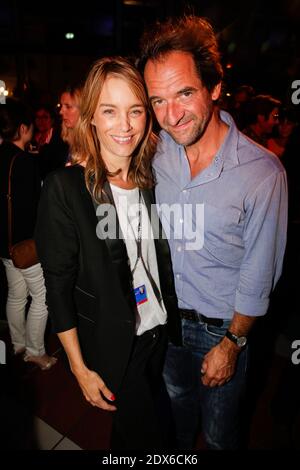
{"points": [[261, 105], [191, 34]]}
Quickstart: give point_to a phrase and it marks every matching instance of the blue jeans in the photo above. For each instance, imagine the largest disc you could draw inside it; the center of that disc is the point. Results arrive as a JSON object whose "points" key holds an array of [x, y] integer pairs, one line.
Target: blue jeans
{"points": [[218, 407]]}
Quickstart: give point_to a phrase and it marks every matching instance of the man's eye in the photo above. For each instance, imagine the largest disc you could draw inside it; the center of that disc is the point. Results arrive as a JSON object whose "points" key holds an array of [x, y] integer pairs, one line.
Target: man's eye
{"points": [[186, 94], [157, 103]]}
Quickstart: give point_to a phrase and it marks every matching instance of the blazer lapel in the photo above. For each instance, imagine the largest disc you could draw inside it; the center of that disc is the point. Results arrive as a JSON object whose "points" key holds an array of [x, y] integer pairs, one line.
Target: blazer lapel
{"points": [[113, 234]]}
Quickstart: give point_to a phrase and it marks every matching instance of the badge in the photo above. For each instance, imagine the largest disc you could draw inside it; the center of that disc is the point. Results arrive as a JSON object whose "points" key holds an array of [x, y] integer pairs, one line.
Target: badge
{"points": [[140, 294]]}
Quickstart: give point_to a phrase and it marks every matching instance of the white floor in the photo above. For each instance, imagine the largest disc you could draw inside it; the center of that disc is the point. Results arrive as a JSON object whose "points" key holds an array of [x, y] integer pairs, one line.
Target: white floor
{"points": [[47, 438]]}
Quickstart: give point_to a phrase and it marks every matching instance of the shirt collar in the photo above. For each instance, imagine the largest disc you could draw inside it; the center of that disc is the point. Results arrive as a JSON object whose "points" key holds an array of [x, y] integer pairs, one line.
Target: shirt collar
{"points": [[225, 158], [228, 151]]}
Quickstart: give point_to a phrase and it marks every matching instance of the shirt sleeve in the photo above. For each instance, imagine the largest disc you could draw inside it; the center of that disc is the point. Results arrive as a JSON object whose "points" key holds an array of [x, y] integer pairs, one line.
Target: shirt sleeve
{"points": [[265, 241], [58, 248]]}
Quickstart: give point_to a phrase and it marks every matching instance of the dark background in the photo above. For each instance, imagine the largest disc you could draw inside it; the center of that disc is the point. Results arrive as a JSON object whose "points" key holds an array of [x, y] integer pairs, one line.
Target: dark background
{"points": [[260, 44], [259, 40]]}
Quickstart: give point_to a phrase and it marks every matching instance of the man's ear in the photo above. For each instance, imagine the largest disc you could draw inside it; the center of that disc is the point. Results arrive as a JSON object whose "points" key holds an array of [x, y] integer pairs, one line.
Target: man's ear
{"points": [[215, 94]]}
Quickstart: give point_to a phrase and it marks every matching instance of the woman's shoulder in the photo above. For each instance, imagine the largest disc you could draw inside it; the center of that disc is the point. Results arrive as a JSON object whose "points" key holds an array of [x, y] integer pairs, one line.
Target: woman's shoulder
{"points": [[67, 173], [64, 180]]}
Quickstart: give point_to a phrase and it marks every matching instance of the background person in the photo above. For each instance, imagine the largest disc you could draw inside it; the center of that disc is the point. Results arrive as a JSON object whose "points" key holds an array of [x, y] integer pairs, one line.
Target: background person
{"points": [[27, 333]]}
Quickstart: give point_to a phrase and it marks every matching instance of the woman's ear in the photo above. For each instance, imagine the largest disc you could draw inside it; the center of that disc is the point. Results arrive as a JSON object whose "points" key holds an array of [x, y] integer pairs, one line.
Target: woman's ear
{"points": [[22, 130]]}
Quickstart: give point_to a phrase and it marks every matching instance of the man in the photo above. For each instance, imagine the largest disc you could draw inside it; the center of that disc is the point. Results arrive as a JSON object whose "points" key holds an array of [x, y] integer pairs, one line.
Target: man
{"points": [[222, 187], [263, 116]]}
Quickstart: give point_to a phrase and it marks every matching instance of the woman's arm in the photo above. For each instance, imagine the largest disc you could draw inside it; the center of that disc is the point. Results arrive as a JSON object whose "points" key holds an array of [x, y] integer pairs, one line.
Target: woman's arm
{"points": [[59, 251], [90, 382]]}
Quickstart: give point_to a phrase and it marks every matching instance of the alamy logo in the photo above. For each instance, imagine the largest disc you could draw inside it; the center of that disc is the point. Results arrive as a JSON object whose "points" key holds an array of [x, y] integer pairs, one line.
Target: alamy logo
{"points": [[296, 94], [184, 223], [2, 352], [296, 354]]}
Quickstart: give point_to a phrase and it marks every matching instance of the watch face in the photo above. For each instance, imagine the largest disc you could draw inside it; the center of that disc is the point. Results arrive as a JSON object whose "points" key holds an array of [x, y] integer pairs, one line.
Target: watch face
{"points": [[241, 341]]}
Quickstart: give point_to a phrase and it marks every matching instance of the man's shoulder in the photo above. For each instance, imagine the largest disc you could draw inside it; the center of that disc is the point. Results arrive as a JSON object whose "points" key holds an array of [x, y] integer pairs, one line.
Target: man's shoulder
{"points": [[252, 153]]}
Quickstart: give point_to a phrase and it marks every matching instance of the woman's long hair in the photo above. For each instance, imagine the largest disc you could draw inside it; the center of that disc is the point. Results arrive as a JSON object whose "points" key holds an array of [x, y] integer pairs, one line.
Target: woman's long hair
{"points": [[86, 146], [75, 92]]}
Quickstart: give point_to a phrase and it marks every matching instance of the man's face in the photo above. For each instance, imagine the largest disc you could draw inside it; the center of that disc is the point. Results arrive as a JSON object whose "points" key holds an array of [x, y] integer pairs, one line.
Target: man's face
{"points": [[182, 105], [273, 120]]}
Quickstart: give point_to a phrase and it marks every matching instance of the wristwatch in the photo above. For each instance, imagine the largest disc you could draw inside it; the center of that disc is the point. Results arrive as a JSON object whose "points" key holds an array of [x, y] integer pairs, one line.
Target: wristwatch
{"points": [[240, 341]]}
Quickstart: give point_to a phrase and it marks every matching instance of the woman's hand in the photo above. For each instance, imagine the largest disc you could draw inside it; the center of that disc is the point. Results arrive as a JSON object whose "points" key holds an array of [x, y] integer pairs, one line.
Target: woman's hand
{"points": [[92, 387], [90, 382]]}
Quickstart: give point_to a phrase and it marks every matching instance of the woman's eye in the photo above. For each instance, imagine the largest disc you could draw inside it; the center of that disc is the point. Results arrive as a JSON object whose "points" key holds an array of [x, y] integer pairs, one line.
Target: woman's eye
{"points": [[108, 111]]}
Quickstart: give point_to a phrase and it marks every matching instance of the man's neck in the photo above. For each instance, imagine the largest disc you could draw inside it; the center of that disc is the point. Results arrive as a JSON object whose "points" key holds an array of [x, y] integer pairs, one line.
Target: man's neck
{"points": [[201, 154]]}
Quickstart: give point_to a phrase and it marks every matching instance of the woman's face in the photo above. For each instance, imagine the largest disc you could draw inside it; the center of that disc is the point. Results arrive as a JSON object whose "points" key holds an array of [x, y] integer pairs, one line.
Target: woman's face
{"points": [[69, 110], [120, 120]]}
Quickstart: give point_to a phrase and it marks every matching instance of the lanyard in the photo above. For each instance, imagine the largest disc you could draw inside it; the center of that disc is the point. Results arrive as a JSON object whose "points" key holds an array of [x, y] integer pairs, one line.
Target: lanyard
{"points": [[140, 254]]}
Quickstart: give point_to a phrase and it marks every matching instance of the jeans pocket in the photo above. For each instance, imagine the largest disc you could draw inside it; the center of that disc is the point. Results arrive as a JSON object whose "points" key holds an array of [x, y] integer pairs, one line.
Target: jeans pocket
{"points": [[216, 331]]}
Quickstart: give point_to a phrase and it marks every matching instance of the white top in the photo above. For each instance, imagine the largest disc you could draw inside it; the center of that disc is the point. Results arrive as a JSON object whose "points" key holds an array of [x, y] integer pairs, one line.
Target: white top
{"points": [[150, 313]]}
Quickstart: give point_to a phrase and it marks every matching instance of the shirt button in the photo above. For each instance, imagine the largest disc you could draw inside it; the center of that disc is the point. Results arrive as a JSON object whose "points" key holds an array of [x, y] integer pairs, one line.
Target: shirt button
{"points": [[179, 248], [178, 276], [181, 221], [184, 191]]}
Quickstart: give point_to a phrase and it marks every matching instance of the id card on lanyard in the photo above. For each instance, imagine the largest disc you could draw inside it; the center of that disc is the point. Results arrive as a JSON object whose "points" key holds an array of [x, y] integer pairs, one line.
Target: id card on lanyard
{"points": [[140, 295], [140, 291]]}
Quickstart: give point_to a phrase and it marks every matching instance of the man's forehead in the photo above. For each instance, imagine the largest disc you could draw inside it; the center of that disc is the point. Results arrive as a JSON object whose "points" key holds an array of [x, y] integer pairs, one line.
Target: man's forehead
{"points": [[176, 69]]}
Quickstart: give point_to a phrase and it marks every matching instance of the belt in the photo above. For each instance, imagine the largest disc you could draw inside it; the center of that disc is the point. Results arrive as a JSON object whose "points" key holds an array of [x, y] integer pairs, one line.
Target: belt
{"points": [[192, 315]]}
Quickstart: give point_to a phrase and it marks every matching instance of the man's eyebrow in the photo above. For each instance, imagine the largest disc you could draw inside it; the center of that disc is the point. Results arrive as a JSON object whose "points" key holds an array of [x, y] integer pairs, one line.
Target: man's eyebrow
{"points": [[185, 89], [154, 97], [178, 93]]}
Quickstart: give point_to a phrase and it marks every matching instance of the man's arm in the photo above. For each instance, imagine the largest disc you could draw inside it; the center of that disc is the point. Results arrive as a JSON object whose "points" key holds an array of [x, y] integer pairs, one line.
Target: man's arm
{"points": [[218, 365], [264, 239]]}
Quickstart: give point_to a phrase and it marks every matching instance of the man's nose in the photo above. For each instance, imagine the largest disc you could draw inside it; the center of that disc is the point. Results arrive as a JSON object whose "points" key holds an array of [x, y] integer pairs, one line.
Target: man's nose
{"points": [[174, 113]]}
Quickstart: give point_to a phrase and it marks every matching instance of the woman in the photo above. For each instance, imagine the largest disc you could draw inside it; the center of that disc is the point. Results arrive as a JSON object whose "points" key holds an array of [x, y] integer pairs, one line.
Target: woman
{"points": [[56, 154], [104, 280], [27, 335], [69, 111]]}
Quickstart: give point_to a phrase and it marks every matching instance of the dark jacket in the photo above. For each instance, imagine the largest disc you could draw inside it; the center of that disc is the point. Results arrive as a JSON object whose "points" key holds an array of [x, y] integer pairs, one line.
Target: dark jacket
{"points": [[88, 280], [53, 155], [25, 191]]}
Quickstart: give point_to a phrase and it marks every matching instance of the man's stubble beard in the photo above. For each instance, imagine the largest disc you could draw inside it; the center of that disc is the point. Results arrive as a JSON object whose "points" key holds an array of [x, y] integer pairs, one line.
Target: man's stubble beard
{"points": [[196, 133]]}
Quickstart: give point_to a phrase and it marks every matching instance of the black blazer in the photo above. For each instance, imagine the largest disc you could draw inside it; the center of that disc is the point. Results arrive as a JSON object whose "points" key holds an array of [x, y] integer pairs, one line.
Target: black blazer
{"points": [[88, 280]]}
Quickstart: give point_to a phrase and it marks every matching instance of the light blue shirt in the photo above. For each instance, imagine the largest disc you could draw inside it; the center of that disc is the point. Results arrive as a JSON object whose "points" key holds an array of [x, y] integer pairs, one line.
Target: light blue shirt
{"points": [[226, 226]]}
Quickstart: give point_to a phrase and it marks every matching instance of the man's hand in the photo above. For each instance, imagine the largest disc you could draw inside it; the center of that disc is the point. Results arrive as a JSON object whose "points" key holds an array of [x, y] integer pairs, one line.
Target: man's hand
{"points": [[219, 363]]}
